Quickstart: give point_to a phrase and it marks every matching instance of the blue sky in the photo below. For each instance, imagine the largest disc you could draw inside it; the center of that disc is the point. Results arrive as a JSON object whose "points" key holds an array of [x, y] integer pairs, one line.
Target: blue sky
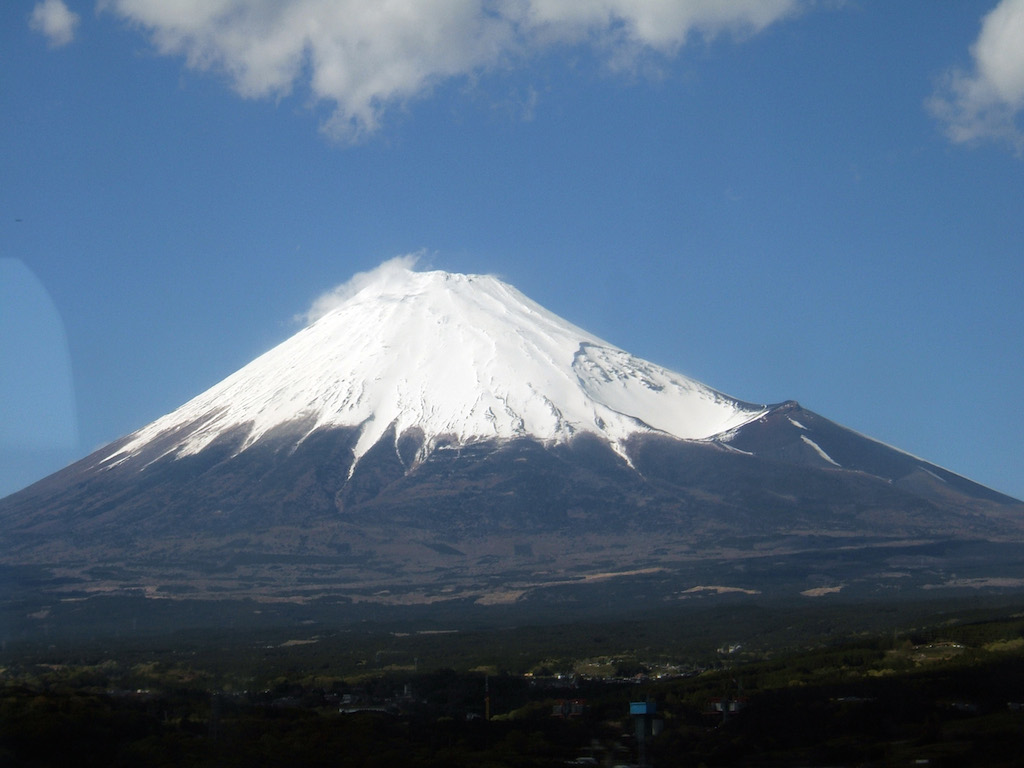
{"points": [[785, 199]]}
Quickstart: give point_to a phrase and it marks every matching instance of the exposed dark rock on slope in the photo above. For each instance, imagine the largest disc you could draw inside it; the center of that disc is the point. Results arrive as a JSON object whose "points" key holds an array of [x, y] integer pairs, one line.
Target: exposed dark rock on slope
{"points": [[279, 483]]}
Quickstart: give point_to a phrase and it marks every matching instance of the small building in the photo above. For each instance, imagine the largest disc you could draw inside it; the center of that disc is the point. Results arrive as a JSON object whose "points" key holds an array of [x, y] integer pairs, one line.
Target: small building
{"points": [[567, 708]]}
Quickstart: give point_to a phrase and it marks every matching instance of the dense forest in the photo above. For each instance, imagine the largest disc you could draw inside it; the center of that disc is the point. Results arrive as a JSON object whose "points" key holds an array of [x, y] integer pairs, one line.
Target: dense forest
{"points": [[948, 693]]}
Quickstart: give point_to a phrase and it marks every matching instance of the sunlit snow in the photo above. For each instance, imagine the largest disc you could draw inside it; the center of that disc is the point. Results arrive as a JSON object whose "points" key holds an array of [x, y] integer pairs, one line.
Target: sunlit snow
{"points": [[818, 448], [463, 357]]}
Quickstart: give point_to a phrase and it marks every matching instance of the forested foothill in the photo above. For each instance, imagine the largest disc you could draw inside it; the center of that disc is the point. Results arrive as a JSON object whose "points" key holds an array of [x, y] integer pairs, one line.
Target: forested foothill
{"points": [[938, 685]]}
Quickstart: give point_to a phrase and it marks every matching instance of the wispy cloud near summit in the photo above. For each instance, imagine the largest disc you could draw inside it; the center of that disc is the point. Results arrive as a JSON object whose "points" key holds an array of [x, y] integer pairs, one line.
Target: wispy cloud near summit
{"points": [[363, 57], [394, 268]]}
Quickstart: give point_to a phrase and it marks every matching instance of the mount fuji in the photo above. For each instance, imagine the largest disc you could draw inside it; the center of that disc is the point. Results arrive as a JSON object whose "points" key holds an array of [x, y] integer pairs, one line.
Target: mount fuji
{"points": [[440, 437]]}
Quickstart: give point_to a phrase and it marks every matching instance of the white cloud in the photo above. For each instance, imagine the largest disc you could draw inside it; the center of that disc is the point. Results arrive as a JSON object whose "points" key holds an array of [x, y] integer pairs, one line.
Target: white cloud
{"points": [[985, 103], [391, 270], [53, 19], [660, 24], [362, 56]]}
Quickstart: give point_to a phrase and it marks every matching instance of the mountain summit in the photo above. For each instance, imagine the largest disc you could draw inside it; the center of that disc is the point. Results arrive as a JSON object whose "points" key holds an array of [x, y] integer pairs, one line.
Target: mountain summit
{"points": [[461, 358], [440, 437]]}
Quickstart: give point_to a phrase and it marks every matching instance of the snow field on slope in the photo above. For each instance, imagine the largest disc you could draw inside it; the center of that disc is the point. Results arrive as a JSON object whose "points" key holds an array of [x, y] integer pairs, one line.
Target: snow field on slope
{"points": [[462, 356]]}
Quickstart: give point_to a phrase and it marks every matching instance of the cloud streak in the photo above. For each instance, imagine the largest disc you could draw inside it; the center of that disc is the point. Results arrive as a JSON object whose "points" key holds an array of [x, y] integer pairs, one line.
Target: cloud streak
{"points": [[362, 58], [984, 104], [54, 20], [388, 271]]}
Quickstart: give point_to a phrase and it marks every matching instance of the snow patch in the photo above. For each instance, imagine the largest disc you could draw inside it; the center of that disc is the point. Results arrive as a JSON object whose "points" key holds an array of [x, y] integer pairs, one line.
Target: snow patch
{"points": [[817, 448], [940, 479], [796, 423], [733, 448]]}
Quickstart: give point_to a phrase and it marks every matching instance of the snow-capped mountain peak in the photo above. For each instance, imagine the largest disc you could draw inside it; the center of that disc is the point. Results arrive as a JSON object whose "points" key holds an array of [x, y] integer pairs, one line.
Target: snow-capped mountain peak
{"points": [[460, 357]]}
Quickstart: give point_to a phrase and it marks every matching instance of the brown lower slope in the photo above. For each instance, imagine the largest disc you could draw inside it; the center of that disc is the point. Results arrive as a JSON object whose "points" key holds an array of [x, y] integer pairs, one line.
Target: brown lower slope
{"points": [[493, 521]]}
